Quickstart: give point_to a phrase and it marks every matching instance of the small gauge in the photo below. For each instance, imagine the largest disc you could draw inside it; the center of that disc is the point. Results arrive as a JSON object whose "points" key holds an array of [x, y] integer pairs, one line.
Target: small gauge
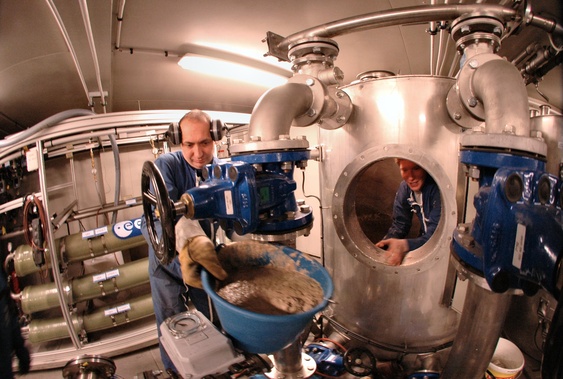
{"points": [[183, 324]]}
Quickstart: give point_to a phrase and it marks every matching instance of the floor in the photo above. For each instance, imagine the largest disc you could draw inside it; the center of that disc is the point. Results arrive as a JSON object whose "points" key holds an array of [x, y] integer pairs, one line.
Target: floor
{"points": [[128, 366]]}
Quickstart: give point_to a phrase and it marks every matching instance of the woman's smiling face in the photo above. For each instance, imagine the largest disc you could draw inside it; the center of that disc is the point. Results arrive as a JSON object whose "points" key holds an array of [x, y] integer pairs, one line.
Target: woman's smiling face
{"points": [[412, 174]]}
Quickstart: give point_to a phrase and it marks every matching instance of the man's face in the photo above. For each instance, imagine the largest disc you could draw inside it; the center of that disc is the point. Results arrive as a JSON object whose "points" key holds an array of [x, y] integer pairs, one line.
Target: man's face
{"points": [[412, 174], [197, 145]]}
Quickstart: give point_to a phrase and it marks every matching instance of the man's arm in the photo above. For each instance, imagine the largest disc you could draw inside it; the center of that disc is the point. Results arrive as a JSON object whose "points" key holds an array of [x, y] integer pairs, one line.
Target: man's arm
{"points": [[402, 214]]}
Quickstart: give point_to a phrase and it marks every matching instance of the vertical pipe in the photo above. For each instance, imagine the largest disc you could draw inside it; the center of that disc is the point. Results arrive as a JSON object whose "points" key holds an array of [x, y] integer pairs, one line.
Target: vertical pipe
{"points": [[499, 85], [90, 34], [277, 108], [432, 41], [68, 43], [480, 326], [52, 251], [74, 181], [288, 360]]}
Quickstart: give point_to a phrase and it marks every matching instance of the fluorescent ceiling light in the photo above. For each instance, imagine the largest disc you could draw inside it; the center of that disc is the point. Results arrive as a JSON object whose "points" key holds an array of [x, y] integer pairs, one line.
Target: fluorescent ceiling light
{"points": [[231, 70]]}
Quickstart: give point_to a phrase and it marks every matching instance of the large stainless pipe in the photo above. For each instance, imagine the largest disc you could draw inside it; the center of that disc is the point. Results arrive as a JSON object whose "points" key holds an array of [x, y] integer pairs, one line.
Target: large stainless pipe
{"points": [[275, 111], [288, 360], [481, 323], [499, 86], [35, 298], [400, 16], [56, 328]]}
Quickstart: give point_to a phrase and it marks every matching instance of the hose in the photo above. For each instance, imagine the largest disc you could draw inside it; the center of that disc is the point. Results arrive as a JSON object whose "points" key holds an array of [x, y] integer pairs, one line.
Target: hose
{"points": [[48, 122]]}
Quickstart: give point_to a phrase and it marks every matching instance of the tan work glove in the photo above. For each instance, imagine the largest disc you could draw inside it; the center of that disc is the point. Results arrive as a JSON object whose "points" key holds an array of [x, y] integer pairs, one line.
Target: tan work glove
{"points": [[199, 250]]}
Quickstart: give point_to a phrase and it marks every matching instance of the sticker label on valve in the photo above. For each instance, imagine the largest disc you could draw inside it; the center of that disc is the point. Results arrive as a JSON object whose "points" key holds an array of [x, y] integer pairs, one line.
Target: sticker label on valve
{"points": [[228, 202], [519, 246]]}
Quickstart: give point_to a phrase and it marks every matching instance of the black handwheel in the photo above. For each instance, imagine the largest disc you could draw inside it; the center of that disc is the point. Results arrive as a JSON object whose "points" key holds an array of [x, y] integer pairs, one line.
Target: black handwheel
{"points": [[359, 361], [158, 202]]}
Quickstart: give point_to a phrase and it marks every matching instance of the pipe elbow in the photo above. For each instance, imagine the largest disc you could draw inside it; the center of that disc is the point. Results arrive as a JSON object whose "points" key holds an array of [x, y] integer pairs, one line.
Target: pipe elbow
{"points": [[500, 87], [275, 111]]}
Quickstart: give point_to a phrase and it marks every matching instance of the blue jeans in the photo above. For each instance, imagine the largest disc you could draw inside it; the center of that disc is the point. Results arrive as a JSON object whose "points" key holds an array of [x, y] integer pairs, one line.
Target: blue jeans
{"points": [[170, 294]]}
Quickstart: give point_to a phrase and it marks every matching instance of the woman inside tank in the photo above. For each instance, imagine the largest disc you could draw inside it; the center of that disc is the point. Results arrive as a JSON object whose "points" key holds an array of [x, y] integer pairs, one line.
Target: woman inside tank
{"points": [[418, 193]]}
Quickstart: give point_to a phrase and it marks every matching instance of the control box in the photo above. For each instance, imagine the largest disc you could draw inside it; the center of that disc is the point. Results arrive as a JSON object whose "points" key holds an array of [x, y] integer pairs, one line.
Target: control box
{"points": [[196, 347]]}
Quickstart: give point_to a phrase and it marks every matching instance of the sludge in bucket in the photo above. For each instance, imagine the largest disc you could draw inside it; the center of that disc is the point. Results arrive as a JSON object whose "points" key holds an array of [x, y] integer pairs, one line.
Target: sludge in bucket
{"points": [[264, 333], [507, 361]]}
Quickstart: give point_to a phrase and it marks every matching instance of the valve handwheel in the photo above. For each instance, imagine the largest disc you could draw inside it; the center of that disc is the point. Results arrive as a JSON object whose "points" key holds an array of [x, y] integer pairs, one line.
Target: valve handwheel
{"points": [[160, 203], [359, 361]]}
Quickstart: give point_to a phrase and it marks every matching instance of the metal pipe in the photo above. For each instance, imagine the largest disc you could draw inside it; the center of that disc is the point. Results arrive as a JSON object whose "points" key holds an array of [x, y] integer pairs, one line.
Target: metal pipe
{"points": [[56, 328], [120, 12], [443, 63], [480, 326], [498, 84], [550, 26], [90, 35], [93, 211], [275, 111], [432, 41], [35, 298], [117, 162], [288, 360], [66, 37], [526, 54], [9, 236], [401, 16]]}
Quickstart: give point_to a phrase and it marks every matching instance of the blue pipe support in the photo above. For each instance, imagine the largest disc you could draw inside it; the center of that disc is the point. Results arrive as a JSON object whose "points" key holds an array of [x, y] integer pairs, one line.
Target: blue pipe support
{"points": [[518, 228], [329, 361]]}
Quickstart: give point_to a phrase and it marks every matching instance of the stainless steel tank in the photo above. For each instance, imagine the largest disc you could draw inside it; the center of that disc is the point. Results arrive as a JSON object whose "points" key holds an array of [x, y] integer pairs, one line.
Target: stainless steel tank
{"points": [[394, 310]]}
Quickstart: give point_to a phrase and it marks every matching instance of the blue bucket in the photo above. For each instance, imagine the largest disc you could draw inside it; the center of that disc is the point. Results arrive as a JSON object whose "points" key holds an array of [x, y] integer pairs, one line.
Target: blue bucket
{"points": [[262, 333]]}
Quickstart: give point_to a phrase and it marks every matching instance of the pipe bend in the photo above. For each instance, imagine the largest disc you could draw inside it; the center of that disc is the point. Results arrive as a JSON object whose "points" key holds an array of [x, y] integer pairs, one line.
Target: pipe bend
{"points": [[398, 16], [275, 111], [500, 87]]}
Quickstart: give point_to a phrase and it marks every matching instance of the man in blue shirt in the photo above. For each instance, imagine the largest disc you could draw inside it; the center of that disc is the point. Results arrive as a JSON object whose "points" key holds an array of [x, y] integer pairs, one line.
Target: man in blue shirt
{"points": [[418, 194], [179, 169]]}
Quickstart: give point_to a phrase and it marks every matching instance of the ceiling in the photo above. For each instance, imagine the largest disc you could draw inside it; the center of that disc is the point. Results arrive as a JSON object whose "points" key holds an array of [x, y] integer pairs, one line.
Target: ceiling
{"points": [[137, 56]]}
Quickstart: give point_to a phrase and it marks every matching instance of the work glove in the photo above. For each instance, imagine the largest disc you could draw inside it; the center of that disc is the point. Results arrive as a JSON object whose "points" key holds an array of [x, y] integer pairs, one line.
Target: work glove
{"points": [[199, 251]]}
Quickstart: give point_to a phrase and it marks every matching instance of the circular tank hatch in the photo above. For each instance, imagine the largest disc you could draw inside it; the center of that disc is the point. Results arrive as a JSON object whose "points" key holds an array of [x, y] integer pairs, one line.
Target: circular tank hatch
{"points": [[363, 205]]}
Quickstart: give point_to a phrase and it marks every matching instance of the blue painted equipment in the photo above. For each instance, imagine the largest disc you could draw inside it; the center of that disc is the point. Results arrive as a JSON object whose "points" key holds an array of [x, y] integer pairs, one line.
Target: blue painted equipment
{"points": [[252, 194], [329, 361], [517, 236], [251, 200]]}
